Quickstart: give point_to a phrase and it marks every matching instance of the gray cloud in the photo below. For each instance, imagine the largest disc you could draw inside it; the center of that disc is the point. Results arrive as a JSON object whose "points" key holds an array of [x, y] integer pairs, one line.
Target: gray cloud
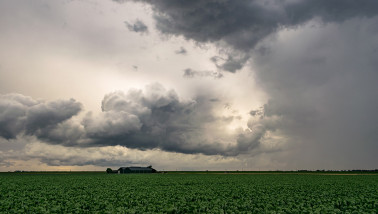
{"points": [[57, 155], [182, 51], [189, 73], [22, 115], [4, 161], [153, 118], [67, 133], [138, 26], [320, 78], [42, 115], [230, 64], [112, 156], [214, 100], [81, 160], [242, 24], [158, 118], [319, 72], [326, 96]]}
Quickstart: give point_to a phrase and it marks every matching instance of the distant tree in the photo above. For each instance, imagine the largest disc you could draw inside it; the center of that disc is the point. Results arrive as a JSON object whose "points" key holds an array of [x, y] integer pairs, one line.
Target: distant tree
{"points": [[109, 170]]}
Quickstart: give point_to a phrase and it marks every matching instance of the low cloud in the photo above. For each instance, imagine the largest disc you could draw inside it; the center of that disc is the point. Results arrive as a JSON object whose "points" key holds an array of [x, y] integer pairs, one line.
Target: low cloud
{"points": [[20, 114], [137, 27], [325, 96], [231, 63], [4, 160], [315, 59], [55, 156], [189, 73], [241, 25], [181, 51], [153, 118]]}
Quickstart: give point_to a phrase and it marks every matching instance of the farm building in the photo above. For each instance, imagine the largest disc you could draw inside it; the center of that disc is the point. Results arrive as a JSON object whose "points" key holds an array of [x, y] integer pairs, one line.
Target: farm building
{"points": [[136, 169]]}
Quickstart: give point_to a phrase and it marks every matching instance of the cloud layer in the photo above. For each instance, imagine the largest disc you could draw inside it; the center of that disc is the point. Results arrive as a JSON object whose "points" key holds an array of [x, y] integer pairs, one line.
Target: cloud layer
{"points": [[243, 23], [153, 118], [325, 89], [23, 115], [312, 62], [316, 60]]}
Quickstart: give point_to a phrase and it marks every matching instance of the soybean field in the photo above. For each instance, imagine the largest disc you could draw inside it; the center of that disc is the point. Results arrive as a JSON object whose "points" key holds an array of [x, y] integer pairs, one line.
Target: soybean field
{"points": [[187, 193]]}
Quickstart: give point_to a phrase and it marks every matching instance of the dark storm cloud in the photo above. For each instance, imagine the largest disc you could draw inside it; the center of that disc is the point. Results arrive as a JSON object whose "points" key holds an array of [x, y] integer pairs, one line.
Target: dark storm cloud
{"points": [[322, 84], [153, 118], [189, 73], [325, 90], [158, 118], [23, 115], [138, 26], [321, 81], [50, 113], [181, 51], [243, 23], [67, 133]]}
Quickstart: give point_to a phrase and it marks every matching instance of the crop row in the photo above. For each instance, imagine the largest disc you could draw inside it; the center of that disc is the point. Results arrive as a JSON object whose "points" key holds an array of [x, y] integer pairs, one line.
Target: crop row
{"points": [[187, 193]]}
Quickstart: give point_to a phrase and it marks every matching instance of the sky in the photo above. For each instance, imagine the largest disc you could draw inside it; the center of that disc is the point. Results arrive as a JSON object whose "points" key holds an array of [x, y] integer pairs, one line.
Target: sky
{"points": [[188, 85]]}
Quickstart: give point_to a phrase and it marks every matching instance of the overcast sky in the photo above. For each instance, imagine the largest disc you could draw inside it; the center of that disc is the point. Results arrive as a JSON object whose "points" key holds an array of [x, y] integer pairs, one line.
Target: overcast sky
{"points": [[188, 85]]}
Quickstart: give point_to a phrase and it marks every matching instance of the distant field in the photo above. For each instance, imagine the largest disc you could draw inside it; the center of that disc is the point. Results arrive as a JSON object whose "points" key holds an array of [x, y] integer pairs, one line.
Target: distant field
{"points": [[278, 172], [183, 192]]}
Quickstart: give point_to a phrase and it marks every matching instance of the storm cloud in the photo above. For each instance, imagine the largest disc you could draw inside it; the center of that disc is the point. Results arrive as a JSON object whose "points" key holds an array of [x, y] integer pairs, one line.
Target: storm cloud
{"points": [[20, 114], [315, 59], [298, 87], [152, 118], [325, 90], [158, 118], [243, 23]]}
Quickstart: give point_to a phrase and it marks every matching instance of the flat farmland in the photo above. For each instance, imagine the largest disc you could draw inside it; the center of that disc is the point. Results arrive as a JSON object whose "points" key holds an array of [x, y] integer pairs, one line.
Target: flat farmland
{"points": [[187, 193]]}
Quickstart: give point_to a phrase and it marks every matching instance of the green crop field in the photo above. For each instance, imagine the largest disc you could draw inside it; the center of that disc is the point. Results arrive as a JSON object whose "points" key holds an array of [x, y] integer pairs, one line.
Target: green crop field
{"points": [[187, 193]]}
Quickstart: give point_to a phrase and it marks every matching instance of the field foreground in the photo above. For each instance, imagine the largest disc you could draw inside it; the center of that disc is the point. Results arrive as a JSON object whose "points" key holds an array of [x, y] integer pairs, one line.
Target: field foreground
{"points": [[187, 193]]}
